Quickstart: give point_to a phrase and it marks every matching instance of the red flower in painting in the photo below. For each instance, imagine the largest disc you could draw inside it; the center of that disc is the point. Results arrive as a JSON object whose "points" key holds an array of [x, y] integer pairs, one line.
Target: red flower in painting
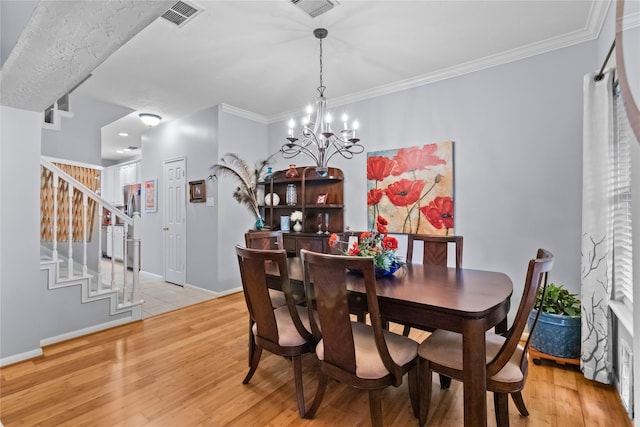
{"points": [[365, 234], [439, 212], [373, 196], [382, 220], [414, 158], [404, 192], [390, 243], [379, 167]]}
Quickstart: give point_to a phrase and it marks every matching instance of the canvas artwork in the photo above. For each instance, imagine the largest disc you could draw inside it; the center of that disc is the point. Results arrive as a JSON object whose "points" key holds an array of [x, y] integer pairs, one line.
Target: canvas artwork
{"points": [[412, 188]]}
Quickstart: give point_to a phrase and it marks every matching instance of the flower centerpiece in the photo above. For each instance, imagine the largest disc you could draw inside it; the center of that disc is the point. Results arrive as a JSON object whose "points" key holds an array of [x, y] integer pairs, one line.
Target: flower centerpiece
{"points": [[375, 243], [296, 219]]}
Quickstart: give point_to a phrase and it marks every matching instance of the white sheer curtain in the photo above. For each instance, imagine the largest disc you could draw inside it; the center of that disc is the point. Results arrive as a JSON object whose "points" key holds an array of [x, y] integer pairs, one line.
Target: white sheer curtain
{"points": [[597, 230]]}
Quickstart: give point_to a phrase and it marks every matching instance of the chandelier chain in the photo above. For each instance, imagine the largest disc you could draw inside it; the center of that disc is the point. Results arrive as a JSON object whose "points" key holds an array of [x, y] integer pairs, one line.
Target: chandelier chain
{"points": [[321, 87]]}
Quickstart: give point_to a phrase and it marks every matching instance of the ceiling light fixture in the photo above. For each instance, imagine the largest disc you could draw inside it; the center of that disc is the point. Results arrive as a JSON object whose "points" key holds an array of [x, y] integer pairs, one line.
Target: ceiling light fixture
{"points": [[149, 119], [317, 140], [123, 134]]}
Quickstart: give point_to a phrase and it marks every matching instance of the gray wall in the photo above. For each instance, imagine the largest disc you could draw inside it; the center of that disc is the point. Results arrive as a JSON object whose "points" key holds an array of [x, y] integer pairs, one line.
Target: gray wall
{"points": [[79, 137], [248, 139], [517, 132], [193, 137], [20, 301]]}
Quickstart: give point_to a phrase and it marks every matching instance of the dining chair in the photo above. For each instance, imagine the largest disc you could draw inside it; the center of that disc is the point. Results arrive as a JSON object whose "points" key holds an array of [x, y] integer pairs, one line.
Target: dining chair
{"points": [[284, 331], [267, 239], [435, 251], [507, 364], [264, 239], [435, 248], [357, 354]]}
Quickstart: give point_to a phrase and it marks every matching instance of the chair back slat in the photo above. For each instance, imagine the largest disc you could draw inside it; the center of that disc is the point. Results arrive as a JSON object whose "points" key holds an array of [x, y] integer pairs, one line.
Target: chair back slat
{"points": [[325, 279], [326, 282], [435, 248], [268, 240], [536, 278]]}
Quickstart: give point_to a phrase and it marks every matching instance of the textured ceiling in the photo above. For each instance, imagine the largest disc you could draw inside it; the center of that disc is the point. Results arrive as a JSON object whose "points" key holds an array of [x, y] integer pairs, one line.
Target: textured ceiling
{"points": [[261, 56]]}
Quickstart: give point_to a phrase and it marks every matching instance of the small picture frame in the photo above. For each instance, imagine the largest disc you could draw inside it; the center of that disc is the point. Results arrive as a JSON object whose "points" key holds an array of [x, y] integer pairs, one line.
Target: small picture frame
{"points": [[151, 195], [197, 191], [322, 199]]}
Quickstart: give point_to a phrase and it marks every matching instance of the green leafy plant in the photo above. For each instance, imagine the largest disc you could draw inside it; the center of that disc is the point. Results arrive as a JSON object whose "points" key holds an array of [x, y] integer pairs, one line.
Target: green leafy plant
{"points": [[558, 300], [247, 176]]}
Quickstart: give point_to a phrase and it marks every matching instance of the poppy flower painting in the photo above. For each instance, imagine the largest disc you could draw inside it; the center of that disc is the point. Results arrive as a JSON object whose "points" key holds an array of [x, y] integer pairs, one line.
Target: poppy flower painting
{"points": [[412, 188]]}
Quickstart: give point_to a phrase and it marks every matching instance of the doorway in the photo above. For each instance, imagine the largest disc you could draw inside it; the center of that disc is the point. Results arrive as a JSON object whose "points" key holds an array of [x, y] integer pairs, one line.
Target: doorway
{"points": [[174, 218]]}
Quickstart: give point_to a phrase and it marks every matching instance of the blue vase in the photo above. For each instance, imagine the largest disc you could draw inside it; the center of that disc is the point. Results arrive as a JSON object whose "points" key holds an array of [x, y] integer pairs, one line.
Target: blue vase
{"points": [[259, 223], [381, 272]]}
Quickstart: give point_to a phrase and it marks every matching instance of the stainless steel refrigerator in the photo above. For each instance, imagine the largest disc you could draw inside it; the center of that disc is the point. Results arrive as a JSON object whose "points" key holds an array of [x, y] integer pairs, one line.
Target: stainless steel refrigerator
{"points": [[132, 196]]}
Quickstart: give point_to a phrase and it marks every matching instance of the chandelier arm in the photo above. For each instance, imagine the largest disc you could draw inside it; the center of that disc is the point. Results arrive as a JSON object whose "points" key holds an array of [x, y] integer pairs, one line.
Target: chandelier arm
{"points": [[290, 152]]}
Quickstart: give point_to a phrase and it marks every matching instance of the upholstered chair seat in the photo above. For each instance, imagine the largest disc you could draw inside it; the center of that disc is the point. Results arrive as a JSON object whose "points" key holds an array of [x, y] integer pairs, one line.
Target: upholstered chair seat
{"points": [[369, 365]]}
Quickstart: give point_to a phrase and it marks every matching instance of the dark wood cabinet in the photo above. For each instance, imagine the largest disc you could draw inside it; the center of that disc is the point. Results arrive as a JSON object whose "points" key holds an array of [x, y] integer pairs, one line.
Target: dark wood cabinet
{"points": [[319, 198]]}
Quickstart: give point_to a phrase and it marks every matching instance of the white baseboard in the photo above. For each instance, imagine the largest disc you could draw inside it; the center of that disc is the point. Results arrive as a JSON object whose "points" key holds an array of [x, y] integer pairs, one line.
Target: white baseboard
{"points": [[20, 357], [229, 291], [151, 275], [214, 293], [86, 331]]}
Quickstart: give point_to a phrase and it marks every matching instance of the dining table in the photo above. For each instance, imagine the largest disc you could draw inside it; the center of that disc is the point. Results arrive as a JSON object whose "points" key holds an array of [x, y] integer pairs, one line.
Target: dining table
{"points": [[466, 301]]}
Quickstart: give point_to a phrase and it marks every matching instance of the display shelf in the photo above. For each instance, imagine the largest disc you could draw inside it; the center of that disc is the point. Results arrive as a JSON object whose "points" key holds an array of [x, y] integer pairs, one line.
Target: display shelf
{"points": [[310, 189]]}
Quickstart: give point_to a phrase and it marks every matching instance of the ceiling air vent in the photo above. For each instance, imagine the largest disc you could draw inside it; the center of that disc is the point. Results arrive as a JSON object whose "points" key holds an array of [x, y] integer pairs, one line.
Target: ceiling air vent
{"points": [[180, 13], [314, 8]]}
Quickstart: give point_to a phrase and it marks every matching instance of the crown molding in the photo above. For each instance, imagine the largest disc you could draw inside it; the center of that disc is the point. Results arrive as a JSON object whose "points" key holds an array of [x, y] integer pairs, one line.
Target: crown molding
{"points": [[226, 108], [591, 31]]}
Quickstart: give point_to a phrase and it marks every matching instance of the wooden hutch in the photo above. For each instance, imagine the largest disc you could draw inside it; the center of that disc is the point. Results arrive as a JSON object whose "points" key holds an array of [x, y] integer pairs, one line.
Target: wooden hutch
{"points": [[310, 190]]}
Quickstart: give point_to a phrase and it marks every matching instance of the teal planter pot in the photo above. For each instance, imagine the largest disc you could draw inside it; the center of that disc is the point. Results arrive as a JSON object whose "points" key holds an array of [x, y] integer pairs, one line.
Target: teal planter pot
{"points": [[556, 335]]}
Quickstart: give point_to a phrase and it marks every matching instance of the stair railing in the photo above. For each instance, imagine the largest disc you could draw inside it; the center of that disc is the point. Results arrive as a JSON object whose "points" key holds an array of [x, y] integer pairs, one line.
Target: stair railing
{"points": [[53, 179]]}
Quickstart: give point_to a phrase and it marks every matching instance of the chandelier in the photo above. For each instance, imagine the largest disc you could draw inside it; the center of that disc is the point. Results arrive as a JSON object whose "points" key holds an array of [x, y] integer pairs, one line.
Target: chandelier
{"points": [[316, 139]]}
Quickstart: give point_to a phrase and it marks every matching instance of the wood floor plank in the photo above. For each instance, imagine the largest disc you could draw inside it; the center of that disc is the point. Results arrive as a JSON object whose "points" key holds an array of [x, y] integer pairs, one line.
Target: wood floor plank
{"points": [[185, 368]]}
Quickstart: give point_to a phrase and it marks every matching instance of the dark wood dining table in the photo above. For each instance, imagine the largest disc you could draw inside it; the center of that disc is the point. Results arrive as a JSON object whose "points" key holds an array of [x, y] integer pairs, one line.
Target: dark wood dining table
{"points": [[466, 301]]}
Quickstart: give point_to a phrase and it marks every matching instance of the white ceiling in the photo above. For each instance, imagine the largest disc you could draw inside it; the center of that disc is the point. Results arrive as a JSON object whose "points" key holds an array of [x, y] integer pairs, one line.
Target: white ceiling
{"points": [[261, 56]]}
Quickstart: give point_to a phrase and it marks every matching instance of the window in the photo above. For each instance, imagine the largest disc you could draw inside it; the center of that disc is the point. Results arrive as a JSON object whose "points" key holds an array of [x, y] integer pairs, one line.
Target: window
{"points": [[621, 192]]}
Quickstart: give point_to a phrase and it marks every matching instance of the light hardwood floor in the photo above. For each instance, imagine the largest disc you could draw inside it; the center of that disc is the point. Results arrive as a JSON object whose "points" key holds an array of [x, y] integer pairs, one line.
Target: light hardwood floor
{"points": [[185, 368]]}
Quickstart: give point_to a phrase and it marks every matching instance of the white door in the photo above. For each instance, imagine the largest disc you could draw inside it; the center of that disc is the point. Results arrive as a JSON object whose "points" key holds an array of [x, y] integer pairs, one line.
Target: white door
{"points": [[175, 227]]}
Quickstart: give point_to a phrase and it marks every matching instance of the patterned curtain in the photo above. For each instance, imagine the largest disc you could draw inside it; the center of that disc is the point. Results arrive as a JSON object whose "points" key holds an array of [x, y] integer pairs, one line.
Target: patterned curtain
{"points": [[597, 226]]}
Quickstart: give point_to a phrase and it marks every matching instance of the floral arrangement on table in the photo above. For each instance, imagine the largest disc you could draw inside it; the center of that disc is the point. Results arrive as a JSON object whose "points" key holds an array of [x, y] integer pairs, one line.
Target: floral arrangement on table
{"points": [[375, 243], [233, 165]]}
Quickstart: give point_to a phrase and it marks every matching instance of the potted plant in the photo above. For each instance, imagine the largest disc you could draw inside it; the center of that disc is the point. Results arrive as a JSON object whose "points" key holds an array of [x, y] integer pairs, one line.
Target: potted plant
{"points": [[557, 332]]}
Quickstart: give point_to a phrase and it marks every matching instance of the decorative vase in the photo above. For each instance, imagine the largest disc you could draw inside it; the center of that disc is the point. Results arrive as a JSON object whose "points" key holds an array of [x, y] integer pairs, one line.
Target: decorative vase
{"points": [[297, 226], [259, 223], [381, 272], [292, 172], [557, 335]]}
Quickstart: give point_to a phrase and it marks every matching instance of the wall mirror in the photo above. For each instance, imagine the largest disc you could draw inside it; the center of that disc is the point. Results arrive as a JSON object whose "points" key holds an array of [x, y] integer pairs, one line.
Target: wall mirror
{"points": [[628, 59]]}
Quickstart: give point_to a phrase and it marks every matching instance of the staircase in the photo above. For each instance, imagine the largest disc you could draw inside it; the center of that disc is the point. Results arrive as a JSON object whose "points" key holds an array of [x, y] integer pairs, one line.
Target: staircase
{"points": [[70, 215]]}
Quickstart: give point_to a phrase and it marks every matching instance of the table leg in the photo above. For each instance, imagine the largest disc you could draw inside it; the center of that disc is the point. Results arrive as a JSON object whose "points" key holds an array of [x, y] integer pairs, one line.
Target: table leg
{"points": [[474, 373]]}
